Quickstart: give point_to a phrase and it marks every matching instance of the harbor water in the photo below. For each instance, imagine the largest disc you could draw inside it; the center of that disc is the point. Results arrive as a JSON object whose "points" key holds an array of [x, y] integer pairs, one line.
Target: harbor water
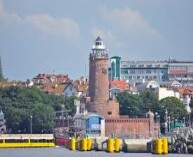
{"points": [[63, 152]]}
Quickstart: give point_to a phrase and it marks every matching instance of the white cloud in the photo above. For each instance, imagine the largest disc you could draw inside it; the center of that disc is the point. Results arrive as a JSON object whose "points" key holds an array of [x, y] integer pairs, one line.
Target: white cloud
{"points": [[1, 6], [127, 31], [8, 16], [129, 22], [126, 18], [54, 26], [45, 23]]}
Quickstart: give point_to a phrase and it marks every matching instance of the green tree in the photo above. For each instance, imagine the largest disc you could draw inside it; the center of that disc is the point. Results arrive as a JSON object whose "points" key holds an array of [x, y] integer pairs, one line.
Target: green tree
{"points": [[69, 105], [19, 103], [43, 118], [175, 108], [150, 101], [130, 104]]}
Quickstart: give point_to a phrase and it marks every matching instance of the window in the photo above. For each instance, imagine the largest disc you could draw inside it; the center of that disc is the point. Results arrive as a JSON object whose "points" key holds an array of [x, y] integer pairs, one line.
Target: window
{"points": [[140, 71], [149, 66], [132, 71], [124, 71], [141, 65], [148, 71], [133, 66], [98, 43], [109, 112], [104, 71]]}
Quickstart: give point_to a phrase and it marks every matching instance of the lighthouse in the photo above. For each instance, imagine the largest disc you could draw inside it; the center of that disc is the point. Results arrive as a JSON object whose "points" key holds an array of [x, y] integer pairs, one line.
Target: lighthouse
{"points": [[99, 82], [98, 72]]}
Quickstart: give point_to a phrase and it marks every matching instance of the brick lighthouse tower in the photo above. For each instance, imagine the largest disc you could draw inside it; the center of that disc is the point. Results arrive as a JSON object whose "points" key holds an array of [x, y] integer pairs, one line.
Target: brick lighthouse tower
{"points": [[99, 82]]}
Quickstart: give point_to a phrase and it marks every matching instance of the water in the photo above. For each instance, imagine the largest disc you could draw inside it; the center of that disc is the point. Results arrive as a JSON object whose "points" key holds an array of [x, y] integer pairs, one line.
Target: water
{"points": [[63, 152]]}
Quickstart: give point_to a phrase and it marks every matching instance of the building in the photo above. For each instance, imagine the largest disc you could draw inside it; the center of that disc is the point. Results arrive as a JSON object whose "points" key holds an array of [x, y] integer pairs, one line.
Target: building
{"points": [[163, 92], [181, 71], [161, 71], [91, 124], [186, 95], [99, 101], [148, 85], [76, 88], [99, 82], [117, 86], [42, 79], [142, 71], [115, 68]]}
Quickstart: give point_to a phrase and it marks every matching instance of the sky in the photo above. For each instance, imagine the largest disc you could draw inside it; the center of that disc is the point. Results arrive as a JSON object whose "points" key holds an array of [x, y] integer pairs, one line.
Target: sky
{"points": [[56, 36]]}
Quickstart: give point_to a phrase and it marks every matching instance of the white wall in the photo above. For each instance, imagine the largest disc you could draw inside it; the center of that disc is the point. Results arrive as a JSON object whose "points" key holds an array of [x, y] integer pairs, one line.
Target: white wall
{"points": [[70, 91], [165, 92]]}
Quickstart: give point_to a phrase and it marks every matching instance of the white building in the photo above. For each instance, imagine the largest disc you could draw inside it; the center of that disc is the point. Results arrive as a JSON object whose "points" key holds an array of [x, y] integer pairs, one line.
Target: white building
{"points": [[164, 92]]}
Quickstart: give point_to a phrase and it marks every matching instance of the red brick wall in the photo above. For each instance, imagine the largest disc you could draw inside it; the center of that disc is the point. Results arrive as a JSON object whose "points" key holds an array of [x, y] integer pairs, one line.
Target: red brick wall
{"points": [[130, 127], [98, 80], [109, 109]]}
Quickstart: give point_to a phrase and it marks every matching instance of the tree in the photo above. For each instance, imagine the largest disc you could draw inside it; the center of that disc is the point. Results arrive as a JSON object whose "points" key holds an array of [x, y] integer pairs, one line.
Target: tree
{"points": [[69, 105], [130, 104], [19, 103], [43, 118], [175, 108], [150, 101]]}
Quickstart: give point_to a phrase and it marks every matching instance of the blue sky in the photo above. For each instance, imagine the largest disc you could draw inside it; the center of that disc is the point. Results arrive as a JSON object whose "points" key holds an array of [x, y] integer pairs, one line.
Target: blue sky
{"points": [[56, 36]]}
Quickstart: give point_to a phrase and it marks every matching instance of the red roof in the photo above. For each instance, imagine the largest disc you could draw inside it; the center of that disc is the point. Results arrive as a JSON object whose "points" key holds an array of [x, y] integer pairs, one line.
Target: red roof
{"points": [[185, 90], [120, 84], [178, 72], [184, 72]]}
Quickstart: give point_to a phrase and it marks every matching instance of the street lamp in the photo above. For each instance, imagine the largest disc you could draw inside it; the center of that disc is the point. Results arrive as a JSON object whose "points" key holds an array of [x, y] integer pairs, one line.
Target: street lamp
{"points": [[169, 128], [189, 119], [184, 121], [157, 120], [31, 117], [156, 117], [166, 121]]}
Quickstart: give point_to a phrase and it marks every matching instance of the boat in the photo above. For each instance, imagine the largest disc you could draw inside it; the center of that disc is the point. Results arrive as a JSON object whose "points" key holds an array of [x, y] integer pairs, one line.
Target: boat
{"points": [[61, 139]]}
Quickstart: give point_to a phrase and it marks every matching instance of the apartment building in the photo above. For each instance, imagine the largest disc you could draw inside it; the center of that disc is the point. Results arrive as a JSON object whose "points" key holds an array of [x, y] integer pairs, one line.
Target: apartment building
{"points": [[160, 71]]}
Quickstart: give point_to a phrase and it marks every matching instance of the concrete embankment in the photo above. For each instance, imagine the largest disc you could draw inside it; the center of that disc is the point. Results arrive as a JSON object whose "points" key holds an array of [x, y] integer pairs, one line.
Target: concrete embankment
{"points": [[126, 145], [136, 145]]}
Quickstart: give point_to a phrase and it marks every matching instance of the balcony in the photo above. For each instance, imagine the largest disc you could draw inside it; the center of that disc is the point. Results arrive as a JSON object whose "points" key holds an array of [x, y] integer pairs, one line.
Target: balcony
{"points": [[99, 55]]}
